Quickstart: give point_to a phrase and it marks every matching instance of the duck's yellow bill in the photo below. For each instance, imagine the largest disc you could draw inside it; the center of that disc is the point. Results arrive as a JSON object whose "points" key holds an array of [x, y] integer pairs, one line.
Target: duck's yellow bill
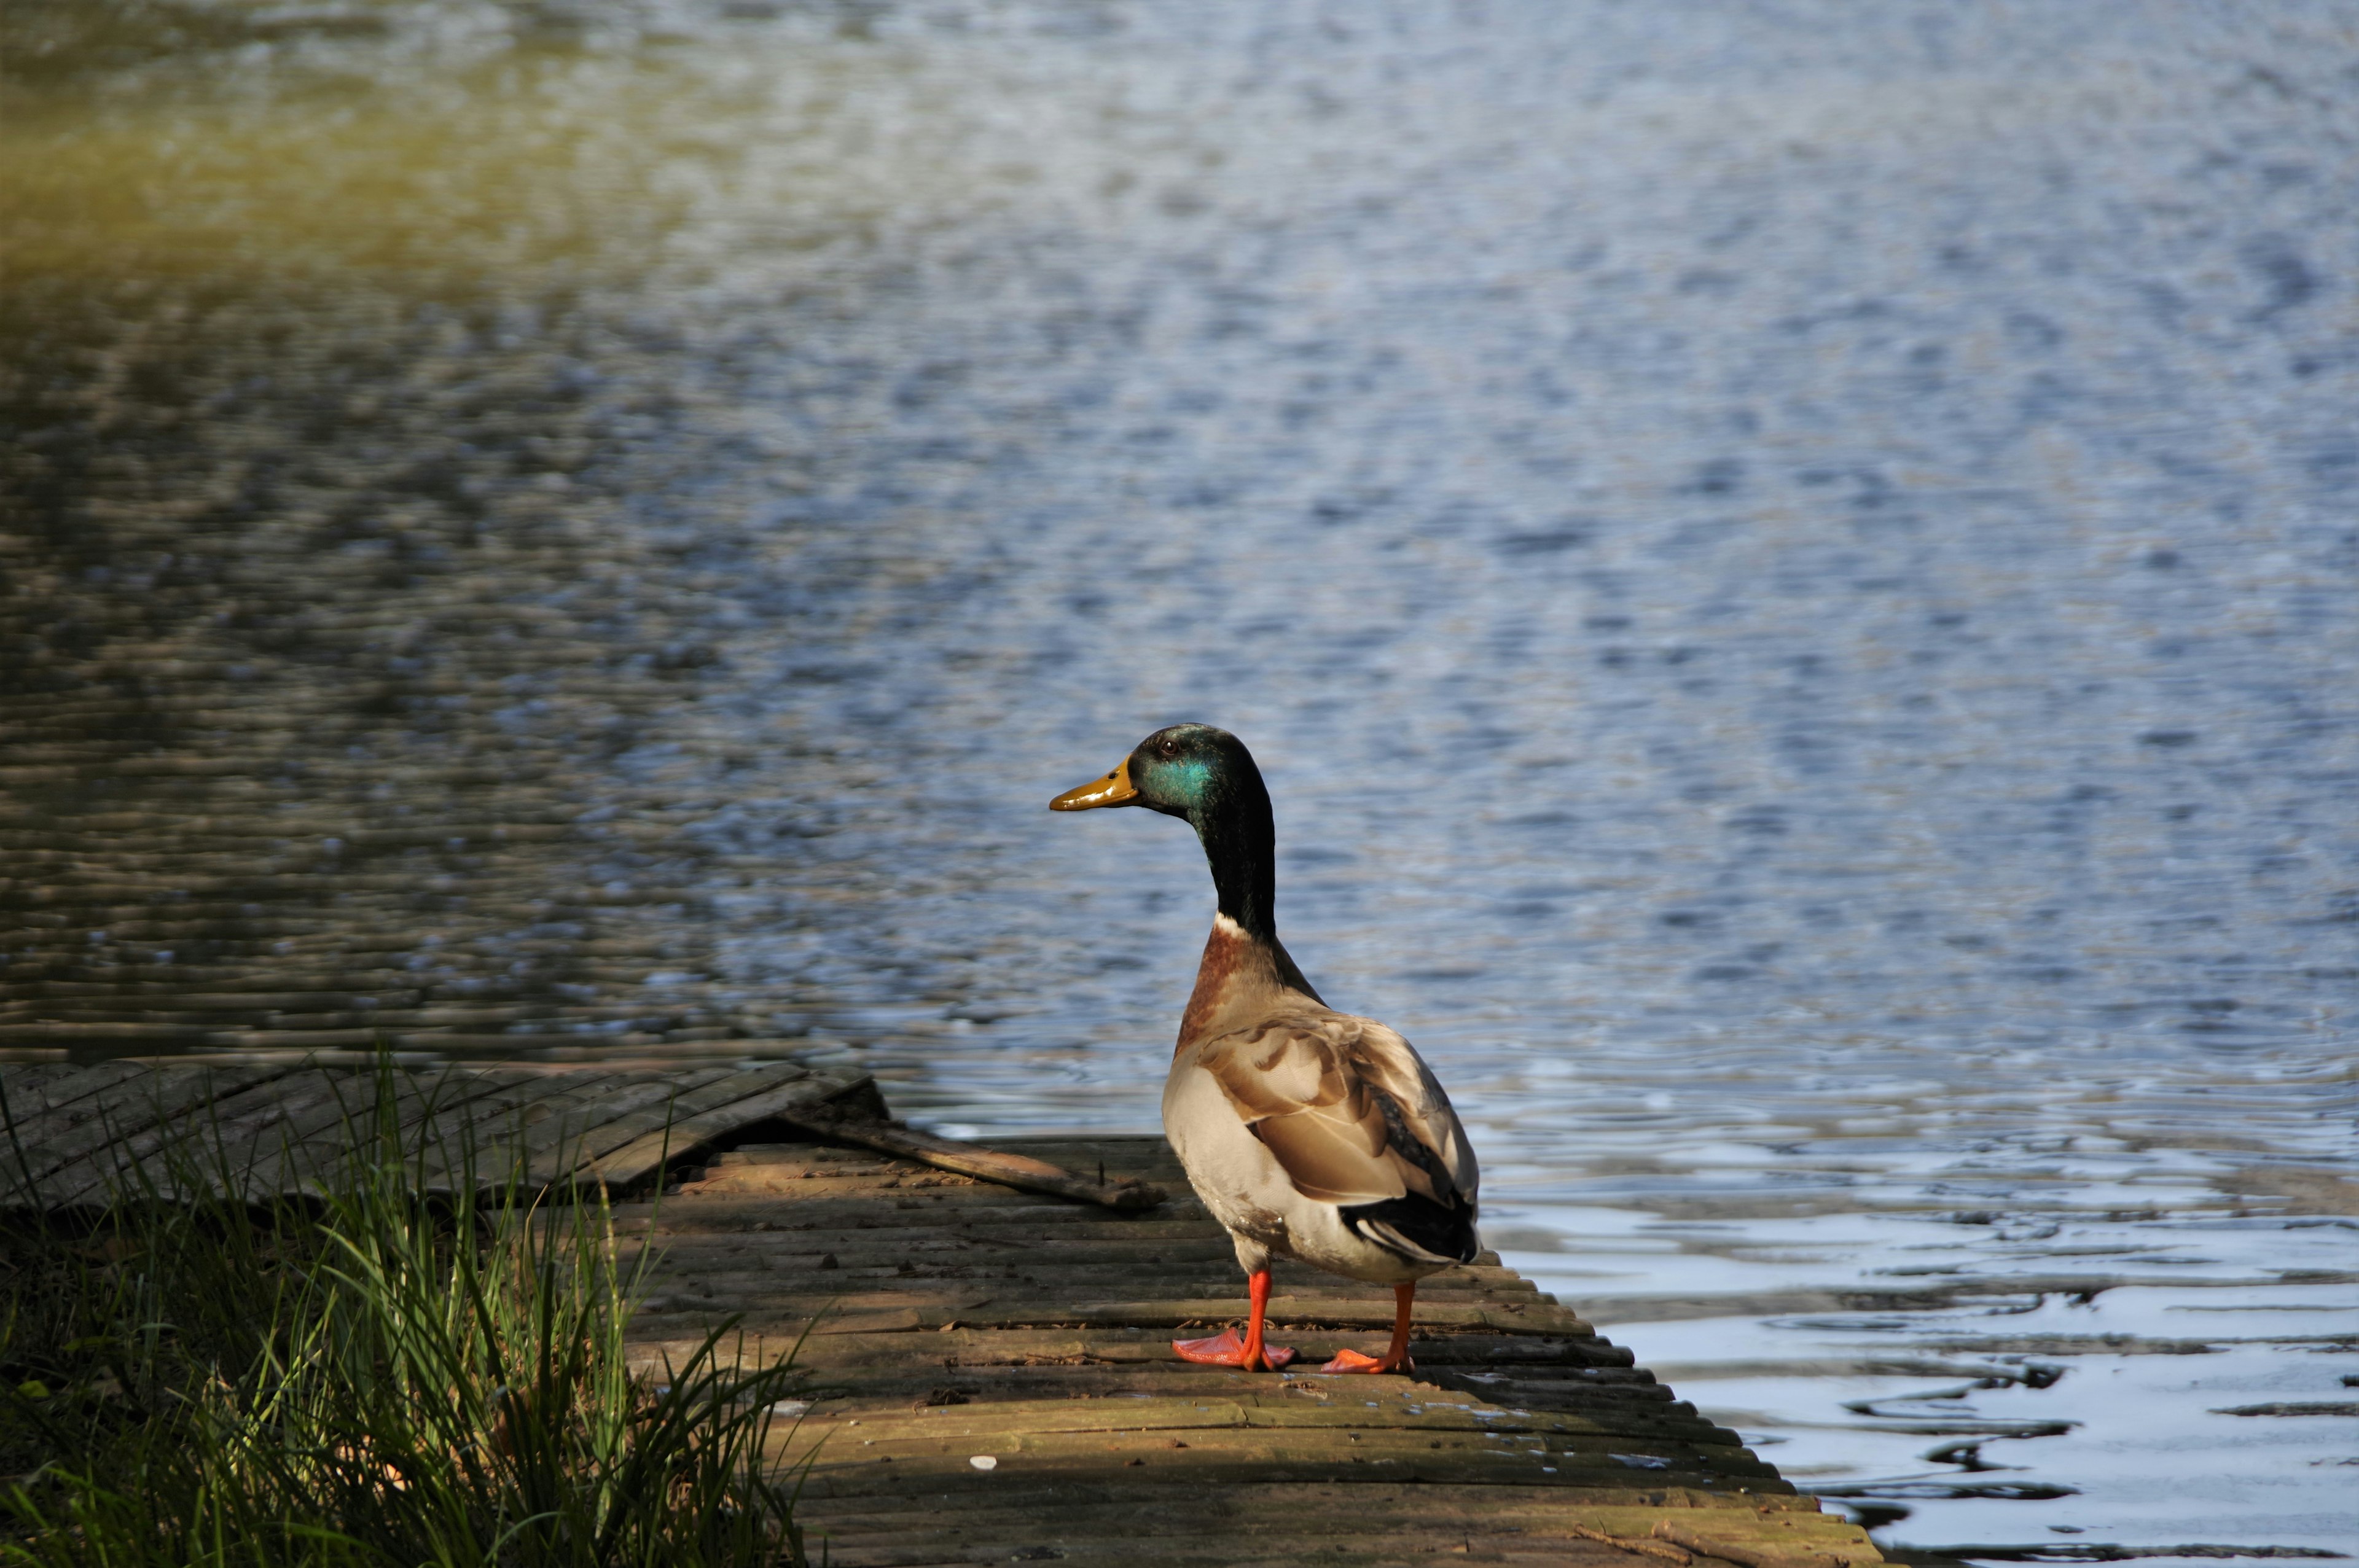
{"points": [[1114, 789]]}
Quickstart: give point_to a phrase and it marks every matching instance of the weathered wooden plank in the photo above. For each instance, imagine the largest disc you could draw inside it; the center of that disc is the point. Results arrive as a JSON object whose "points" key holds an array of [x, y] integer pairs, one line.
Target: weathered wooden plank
{"points": [[32, 1100], [1145, 1159], [285, 1123], [1216, 1464], [1307, 1400], [292, 1132], [1052, 1276], [1198, 1547], [874, 1259], [1223, 1459], [884, 1390], [481, 1090], [846, 1352], [724, 1252], [1086, 1271], [100, 1097], [132, 1123], [1180, 1413], [1119, 1254], [982, 1306], [412, 1116], [1123, 1494], [1045, 1289], [292, 1139], [1394, 1523], [732, 1171], [918, 1380], [501, 1135], [772, 1098], [30, 1090], [1019, 1171], [1007, 1218], [217, 1125], [529, 1110], [627, 1104], [832, 1183]]}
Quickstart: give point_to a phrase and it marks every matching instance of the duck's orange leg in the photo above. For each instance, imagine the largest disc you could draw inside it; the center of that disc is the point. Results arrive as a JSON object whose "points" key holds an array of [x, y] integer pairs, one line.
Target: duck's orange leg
{"points": [[1225, 1349], [1396, 1357]]}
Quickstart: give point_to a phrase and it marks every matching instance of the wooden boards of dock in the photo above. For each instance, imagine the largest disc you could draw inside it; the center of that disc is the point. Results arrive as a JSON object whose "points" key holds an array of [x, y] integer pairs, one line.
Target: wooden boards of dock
{"points": [[262, 1125], [991, 1379], [987, 1366]]}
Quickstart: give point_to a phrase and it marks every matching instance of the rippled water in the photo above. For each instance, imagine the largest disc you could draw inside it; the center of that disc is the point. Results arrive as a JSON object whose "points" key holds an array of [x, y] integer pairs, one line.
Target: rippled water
{"points": [[1793, 571]]}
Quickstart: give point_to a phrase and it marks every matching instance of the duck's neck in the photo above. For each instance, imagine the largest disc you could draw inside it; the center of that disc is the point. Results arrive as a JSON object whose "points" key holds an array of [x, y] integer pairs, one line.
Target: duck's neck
{"points": [[1245, 964], [1241, 846]]}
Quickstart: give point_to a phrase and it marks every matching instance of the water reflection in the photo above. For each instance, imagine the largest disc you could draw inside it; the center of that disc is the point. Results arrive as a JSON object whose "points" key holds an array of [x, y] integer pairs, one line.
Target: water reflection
{"points": [[1792, 578]]}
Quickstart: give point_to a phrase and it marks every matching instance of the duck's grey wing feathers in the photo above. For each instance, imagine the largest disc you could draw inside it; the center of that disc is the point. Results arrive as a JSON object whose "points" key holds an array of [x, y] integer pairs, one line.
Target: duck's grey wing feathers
{"points": [[1346, 1108]]}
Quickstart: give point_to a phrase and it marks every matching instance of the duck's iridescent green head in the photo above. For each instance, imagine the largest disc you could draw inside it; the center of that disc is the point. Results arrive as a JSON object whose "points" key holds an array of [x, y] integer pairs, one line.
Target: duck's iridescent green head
{"points": [[1191, 770], [1206, 777]]}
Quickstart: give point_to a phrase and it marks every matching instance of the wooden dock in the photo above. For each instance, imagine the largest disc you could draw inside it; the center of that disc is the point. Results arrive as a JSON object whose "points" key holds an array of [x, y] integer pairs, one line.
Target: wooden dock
{"points": [[71, 1136], [989, 1377]]}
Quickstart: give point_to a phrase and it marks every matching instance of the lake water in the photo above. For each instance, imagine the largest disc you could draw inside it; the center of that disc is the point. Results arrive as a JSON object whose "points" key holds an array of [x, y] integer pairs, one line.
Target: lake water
{"points": [[1793, 569]]}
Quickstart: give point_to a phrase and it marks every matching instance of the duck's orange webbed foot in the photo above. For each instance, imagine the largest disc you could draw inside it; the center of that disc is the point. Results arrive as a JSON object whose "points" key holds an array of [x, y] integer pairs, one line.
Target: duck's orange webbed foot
{"points": [[1396, 1356], [1226, 1350]]}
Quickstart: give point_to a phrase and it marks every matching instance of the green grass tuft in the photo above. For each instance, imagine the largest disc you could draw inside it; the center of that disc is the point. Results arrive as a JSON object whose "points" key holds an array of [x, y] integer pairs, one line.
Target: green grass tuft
{"points": [[371, 1377]]}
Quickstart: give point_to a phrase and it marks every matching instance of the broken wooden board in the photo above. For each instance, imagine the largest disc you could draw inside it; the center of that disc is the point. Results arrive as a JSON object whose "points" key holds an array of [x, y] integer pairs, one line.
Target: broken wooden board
{"points": [[258, 1126], [1018, 1171], [989, 1379]]}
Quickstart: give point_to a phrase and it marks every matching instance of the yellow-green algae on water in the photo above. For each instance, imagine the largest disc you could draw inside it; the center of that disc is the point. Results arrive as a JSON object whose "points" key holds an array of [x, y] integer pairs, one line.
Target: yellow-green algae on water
{"points": [[418, 144], [459, 161]]}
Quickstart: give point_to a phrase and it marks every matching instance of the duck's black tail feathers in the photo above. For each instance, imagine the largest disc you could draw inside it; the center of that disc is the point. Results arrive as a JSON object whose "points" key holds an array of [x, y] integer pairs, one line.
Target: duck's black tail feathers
{"points": [[1418, 1228]]}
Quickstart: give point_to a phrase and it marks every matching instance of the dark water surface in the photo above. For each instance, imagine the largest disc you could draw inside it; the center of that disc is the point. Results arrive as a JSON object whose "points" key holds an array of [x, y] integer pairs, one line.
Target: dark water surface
{"points": [[1794, 570]]}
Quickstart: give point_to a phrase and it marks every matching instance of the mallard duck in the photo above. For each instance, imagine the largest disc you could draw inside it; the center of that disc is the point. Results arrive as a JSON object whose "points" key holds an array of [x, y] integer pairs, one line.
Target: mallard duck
{"points": [[1310, 1133]]}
